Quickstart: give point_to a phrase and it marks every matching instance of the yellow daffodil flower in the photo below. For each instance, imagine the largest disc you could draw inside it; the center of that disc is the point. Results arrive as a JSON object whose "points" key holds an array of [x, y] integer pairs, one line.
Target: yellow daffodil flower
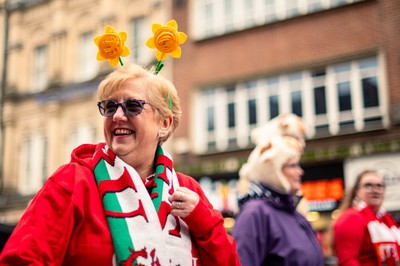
{"points": [[111, 46], [166, 40]]}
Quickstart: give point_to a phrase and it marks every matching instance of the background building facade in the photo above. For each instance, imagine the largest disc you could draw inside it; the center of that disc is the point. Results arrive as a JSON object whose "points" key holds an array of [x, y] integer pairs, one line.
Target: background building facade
{"points": [[50, 82], [334, 63]]}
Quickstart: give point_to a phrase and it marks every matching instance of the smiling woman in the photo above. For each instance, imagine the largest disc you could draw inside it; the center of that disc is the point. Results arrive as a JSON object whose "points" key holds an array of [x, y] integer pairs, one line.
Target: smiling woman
{"points": [[365, 234], [123, 197]]}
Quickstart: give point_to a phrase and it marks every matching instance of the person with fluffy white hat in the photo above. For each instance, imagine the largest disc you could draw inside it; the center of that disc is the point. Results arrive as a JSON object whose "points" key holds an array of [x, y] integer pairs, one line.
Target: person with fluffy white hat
{"points": [[269, 230]]}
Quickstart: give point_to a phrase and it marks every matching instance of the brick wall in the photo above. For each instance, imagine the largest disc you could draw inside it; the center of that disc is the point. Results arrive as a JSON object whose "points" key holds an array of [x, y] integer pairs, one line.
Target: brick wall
{"points": [[344, 33]]}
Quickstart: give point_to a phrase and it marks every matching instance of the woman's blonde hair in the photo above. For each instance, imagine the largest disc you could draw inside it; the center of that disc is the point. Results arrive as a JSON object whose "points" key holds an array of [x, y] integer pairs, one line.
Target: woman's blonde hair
{"points": [[160, 92]]}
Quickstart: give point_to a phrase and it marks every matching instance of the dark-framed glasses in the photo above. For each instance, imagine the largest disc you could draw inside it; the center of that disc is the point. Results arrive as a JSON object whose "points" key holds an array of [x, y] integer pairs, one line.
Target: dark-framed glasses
{"points": [[370, 186], [131, 107], [292, 165]]}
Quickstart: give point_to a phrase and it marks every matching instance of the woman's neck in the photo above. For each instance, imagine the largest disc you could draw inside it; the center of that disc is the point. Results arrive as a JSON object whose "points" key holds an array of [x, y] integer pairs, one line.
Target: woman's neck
{"points": [[143, 167]]}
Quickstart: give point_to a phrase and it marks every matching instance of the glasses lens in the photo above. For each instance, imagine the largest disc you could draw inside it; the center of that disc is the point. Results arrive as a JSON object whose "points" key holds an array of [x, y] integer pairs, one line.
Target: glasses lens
{"points": [[292, 165], [370, 186], [133, 107], [110, 107]]}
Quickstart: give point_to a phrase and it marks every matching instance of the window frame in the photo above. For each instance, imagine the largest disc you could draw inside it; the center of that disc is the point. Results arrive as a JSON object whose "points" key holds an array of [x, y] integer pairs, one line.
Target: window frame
{"points": [[333, 122]]}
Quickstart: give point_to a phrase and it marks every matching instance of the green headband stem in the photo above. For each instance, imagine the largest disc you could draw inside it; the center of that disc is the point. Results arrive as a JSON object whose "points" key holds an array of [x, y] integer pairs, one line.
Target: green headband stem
{"points": [[159, 66], [120, 61], [170, 101]]}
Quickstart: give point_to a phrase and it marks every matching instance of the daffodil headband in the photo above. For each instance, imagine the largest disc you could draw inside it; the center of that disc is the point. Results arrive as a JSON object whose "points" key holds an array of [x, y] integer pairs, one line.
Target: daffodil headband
{"points": [[166, 40]]}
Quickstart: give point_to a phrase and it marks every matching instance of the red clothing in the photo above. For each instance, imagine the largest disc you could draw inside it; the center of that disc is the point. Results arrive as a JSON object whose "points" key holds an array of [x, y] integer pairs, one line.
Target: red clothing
{"points": [[353, 242], [65, 223]]}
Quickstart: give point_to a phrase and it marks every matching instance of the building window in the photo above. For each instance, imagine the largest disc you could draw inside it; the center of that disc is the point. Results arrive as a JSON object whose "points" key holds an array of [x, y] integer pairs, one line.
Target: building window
{"points": [[297, 103], [80, 134], [33, 167], [218, 17], [86, 65], [295, 86], [292, 8], [139, 35], [231, 106], [344, 98], [251, 103], [269, 9], [369, 82], [319, 100], [342, 75], [339, 2], [319, 103], [249, 7], [319, 90], [370, 92], [211, 117], [40, 73], [273, 98], [209, 13], [229, 15], [314, 6]]}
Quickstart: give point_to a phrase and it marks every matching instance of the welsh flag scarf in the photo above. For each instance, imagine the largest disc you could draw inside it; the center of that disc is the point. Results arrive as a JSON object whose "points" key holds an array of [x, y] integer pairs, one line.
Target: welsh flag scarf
{"points": [[385, 236], [142, 228]]}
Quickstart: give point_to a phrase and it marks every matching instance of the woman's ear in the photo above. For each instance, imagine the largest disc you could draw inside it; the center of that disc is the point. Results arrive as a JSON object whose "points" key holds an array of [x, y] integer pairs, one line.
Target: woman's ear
{"points": [[166, 124], [165, 128]]}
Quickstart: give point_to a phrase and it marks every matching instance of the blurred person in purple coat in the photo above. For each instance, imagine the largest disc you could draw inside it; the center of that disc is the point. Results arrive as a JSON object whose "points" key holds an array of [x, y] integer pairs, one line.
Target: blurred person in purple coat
{"points": [[268, 229]]}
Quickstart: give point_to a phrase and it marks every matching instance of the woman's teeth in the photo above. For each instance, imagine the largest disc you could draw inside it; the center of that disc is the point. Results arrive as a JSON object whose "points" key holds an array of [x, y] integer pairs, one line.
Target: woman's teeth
{"points": [[123, 132]]}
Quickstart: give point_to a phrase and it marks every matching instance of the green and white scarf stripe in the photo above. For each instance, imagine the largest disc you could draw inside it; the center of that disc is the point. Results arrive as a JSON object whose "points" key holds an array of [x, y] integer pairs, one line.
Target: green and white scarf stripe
{"points": [[118, 227], [140, 224], [158, 181]]}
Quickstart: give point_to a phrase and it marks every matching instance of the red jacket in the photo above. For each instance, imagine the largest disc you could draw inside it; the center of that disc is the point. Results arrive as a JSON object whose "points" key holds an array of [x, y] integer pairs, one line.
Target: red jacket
{"points": [[353, 244], [65, 223]]}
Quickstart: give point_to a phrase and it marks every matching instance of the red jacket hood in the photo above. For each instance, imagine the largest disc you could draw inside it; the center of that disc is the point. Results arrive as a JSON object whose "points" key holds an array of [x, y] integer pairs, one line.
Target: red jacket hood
{"points": [[83, 154]]}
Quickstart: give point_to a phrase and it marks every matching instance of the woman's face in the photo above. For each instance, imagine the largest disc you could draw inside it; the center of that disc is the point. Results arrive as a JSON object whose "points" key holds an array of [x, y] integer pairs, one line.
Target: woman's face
{"points": [[293, 172], [371, 190], [133, 138]]}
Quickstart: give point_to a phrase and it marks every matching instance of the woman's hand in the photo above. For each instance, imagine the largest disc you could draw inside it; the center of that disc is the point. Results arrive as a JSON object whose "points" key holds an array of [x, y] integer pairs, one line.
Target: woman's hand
{"points": [[183, 201]]}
